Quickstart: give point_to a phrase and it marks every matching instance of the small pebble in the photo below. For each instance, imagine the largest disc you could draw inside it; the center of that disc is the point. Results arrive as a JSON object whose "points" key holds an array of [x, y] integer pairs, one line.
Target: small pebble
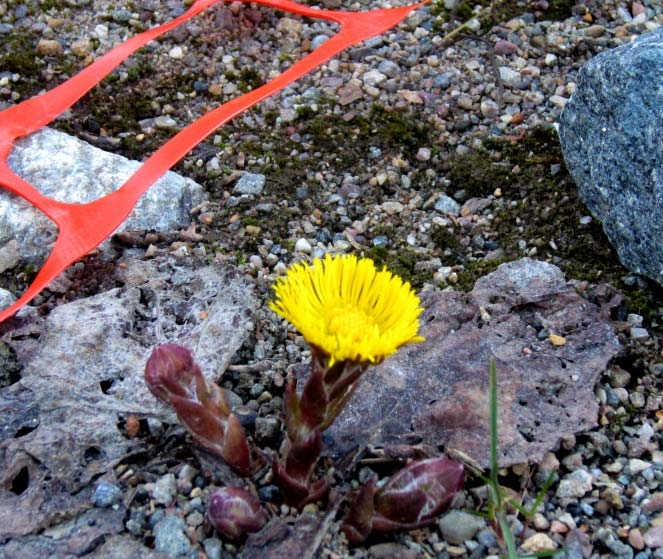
{"points": [[169, 537], [165, 489], [458, 526], [539, 542], [556, 340], [302, 245], [106, 494]]}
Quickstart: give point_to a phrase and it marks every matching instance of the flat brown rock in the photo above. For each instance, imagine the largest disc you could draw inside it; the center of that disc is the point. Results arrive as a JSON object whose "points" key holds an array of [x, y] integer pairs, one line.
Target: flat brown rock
{"points": [[436, 392]]}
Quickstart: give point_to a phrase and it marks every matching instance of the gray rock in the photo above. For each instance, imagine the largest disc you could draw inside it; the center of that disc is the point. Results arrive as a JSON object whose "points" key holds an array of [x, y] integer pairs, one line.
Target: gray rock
{"points": [[610, 136], [458, 526], [79, 535], [121, 16], [444, 80], [213, 548], [447, 205], [83, 371], [390, 550], [123, 547], [187, 473], [165, 122], [577, 544], [318, 41], [373, 77], [6, 298], [575, 485], [509, 77], [195, 519], [69, 170], [169, 537], [302, 245], [381, 241], [389, 68], [9, 256], [106, 494], [165, 489], [487, 538], [609, 539], [250, 183], [639, 333]]}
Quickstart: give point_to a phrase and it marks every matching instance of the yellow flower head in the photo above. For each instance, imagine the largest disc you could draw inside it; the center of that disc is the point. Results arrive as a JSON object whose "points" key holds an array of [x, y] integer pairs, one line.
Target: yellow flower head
{"points": [[348, 309]]}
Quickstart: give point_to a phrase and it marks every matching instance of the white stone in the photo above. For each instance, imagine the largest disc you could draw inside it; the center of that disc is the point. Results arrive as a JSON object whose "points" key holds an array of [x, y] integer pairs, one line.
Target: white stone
{"points": [[101, 31], [6, 299], [373, 77], [302, 245], [637, 466], [639, 333], [392, 208], [69, 170], [176, 52], [559, 101], [423, 154], [509, 76], [489, 108]]}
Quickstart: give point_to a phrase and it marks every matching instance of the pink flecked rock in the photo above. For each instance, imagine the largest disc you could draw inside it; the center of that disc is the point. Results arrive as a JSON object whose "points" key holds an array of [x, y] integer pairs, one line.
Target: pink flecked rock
{"points": [[654, 537], [637, 9], [635, 539], [654, 503], [504, 47]]}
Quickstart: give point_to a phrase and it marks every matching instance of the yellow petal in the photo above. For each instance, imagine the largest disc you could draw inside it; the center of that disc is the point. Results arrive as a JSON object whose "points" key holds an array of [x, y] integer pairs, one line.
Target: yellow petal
{"points": [[347, 308]]}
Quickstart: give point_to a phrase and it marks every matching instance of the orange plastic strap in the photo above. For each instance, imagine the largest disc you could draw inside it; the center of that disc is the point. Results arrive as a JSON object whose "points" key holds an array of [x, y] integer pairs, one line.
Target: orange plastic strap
{"points": [[83, 227]]}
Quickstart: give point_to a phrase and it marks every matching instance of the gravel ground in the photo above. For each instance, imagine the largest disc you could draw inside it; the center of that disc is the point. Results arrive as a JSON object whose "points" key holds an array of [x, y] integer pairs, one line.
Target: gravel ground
{"points": [[454, 168]]}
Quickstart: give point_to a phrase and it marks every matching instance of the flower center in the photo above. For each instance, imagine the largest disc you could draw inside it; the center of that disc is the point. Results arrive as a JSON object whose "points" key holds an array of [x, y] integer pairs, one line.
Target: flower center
{"points": [[351, 325]]}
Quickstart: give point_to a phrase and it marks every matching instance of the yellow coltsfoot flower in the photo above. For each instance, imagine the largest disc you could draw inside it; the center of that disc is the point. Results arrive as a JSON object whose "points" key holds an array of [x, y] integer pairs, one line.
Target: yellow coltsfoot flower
{"points": [[352, 316], [347, 309]]}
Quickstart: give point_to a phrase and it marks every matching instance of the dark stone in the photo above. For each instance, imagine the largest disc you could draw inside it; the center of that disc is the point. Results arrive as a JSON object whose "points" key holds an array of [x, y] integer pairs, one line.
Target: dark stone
{"points": [[200, 87], [268, 430], [610, 133], [269, 493], [10, 368], [247, 416]]}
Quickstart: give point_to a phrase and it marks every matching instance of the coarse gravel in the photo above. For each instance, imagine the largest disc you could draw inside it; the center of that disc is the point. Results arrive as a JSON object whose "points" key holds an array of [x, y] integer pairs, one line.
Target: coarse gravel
{"points": [[438, 158]]}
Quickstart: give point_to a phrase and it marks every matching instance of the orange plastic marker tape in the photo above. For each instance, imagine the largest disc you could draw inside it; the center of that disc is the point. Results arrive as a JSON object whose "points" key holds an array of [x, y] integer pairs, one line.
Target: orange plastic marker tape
{"points": [[83, 227]]}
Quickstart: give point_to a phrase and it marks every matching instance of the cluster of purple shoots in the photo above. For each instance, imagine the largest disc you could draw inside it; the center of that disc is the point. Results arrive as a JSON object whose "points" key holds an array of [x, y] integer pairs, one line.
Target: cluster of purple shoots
{"points": [[411, 498]]}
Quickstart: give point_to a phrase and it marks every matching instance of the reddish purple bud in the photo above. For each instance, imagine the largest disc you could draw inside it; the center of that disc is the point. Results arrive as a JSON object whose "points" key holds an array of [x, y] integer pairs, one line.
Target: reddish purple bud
{"points": [[235, 512], [358, 523], [169, 371], [417, 494], [174, 378], [412, 498], [297, 492]]}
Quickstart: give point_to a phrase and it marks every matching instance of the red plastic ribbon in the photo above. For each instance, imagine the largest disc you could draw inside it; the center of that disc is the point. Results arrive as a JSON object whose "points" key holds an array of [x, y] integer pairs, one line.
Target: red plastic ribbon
{"points": [[83, 227]]}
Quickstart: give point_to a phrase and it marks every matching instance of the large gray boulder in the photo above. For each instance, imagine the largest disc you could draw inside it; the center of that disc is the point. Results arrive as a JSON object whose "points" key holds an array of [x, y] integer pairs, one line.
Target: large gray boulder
{"points": [[612, 138], [71, 170]]}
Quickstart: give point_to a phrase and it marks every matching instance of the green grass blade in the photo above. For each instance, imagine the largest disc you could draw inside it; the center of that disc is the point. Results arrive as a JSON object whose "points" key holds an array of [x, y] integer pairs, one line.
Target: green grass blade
{"points": [[542, 493], [507, 535], [494, 438]]}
